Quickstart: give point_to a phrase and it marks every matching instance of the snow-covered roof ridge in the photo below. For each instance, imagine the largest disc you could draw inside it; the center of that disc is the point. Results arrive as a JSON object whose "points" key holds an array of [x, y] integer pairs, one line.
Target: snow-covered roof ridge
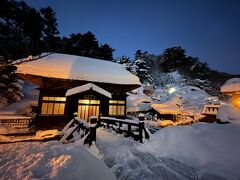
{"points": [[73, 67], [87, 87], [231, 85]]}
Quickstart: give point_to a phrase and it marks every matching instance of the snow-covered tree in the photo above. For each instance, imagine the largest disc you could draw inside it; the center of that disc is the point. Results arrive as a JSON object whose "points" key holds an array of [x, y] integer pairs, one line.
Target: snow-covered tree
{"points": [[127, 63], [141, 67]]}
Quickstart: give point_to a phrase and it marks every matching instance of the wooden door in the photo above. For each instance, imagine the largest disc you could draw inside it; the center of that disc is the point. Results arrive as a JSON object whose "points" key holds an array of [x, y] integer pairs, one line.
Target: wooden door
{"points": [[88, 108]]}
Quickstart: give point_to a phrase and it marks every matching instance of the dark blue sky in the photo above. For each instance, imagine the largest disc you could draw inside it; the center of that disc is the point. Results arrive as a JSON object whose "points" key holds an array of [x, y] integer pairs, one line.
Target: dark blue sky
{"points": [[208, 29]]}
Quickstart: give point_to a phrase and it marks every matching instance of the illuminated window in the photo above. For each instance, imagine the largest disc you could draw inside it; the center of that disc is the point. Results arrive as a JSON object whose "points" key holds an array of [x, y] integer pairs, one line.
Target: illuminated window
{"points": [[116, 108], [53, 105]]}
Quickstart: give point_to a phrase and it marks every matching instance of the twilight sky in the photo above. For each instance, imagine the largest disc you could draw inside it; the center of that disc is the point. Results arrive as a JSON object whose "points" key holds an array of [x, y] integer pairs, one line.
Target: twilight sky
{"points": [[208, 29]]}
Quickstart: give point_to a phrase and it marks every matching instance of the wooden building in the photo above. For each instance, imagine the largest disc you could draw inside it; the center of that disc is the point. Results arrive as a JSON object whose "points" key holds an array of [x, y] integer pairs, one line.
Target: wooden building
{"points": [[68, 84], [232, 88]]}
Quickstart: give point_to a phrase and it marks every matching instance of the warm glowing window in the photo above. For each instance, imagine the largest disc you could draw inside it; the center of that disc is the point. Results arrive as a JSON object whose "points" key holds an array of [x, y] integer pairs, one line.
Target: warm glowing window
{"points": [[53, 105], [116, 108]]}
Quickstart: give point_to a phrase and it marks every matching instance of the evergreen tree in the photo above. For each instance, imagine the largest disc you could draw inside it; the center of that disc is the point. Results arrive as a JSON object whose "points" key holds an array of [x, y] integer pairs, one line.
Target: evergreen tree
{"points": [[106, 52], [50, 30], [141, 67], [172, 58], [127, 63], [20, 30], [86, 45]]}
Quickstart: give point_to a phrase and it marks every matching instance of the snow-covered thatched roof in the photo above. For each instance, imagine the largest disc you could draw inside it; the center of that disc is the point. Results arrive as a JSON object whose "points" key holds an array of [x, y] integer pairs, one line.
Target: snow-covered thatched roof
{"points": [[231, 85], [65, 66]]}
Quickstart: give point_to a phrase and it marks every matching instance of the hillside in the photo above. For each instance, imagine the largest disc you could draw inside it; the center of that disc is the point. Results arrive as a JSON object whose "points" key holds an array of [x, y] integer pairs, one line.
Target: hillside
{"points": [[174, 68]]}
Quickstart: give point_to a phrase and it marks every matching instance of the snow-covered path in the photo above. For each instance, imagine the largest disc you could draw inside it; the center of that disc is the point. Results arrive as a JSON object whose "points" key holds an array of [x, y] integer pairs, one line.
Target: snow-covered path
{"points": [[131, 160]]}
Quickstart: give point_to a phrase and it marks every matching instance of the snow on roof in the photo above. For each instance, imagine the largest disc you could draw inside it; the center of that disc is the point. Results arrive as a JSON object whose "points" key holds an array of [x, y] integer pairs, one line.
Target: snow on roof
{"points": [[66, 66], [87, 87], [231, 85], [169, 107]]}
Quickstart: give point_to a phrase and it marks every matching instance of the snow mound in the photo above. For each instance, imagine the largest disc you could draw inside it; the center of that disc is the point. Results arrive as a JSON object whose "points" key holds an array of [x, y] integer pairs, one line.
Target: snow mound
{"points": [[231, 85], [229, 113], [65, 66], [210, 147], [50, 160]]}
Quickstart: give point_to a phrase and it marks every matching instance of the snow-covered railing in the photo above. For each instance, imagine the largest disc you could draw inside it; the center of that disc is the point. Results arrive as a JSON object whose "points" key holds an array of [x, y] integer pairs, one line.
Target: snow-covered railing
{"points": [[86, 130], [210, 109], [130, 128]]}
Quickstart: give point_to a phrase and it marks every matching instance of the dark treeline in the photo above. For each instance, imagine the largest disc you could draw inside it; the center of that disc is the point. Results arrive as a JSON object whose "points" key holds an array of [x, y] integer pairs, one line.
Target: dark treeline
{"points": [[26, 31]]}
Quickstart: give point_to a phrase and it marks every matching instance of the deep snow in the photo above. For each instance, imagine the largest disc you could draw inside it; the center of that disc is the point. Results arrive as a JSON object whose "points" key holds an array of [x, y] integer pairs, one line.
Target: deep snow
{"points": [[200, 151], [50, 160]]}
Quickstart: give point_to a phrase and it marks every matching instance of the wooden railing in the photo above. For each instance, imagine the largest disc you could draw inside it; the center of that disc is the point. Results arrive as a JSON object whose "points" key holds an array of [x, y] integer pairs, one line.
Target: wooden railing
{"points": [[129, 128], [16, 122], [86, 131]]}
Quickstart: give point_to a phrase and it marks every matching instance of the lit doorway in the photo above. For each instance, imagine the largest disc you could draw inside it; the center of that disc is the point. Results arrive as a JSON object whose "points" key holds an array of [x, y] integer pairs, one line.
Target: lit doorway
{"points": [[88, 108]]}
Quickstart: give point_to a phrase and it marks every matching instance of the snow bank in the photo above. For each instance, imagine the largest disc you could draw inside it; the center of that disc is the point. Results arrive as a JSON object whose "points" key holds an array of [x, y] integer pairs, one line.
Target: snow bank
{"points": [[201, 151], [78, 68], [87, 87], [50, 160], [229, 113], [231, 85], [210, 147]]}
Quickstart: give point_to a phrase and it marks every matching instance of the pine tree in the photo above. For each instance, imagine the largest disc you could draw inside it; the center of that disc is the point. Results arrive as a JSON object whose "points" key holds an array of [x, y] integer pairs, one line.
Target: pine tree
{"points": [[50, 30], [172, 58], [127, 63], [141, 67]]}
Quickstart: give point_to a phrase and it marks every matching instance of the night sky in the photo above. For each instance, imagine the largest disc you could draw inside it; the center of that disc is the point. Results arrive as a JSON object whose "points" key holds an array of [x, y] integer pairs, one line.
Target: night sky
{"points": [[208, 29]]}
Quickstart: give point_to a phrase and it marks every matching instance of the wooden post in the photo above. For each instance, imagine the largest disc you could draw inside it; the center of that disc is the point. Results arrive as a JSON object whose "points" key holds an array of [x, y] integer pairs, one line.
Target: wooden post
{"points": [[129, 130], [93, 127], [141, 126], [119, 127], [141, 117]]}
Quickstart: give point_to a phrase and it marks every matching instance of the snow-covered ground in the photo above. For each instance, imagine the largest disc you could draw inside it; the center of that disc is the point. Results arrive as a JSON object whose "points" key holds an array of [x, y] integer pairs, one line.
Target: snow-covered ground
{"points": [[50, 160], [200, 151]]}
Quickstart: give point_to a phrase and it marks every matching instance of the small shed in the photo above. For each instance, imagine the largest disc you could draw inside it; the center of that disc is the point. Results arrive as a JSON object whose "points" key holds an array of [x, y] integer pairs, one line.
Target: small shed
{"points": [[68, 84], [232, 88]]}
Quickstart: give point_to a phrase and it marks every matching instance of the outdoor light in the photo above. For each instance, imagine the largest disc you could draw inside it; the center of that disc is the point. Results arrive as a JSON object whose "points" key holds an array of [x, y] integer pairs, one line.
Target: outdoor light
{"points": [[171, 90]]}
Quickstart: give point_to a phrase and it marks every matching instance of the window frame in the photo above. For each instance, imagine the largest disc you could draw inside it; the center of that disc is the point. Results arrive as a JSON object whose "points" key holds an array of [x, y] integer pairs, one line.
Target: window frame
{"points": [[117, 106], [54, 101]]}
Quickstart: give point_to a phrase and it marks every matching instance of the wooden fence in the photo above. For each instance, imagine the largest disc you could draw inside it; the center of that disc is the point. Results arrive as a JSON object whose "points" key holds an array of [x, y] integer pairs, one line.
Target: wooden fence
{"points": [[129, 128], [16, 122], [87, 131]]}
